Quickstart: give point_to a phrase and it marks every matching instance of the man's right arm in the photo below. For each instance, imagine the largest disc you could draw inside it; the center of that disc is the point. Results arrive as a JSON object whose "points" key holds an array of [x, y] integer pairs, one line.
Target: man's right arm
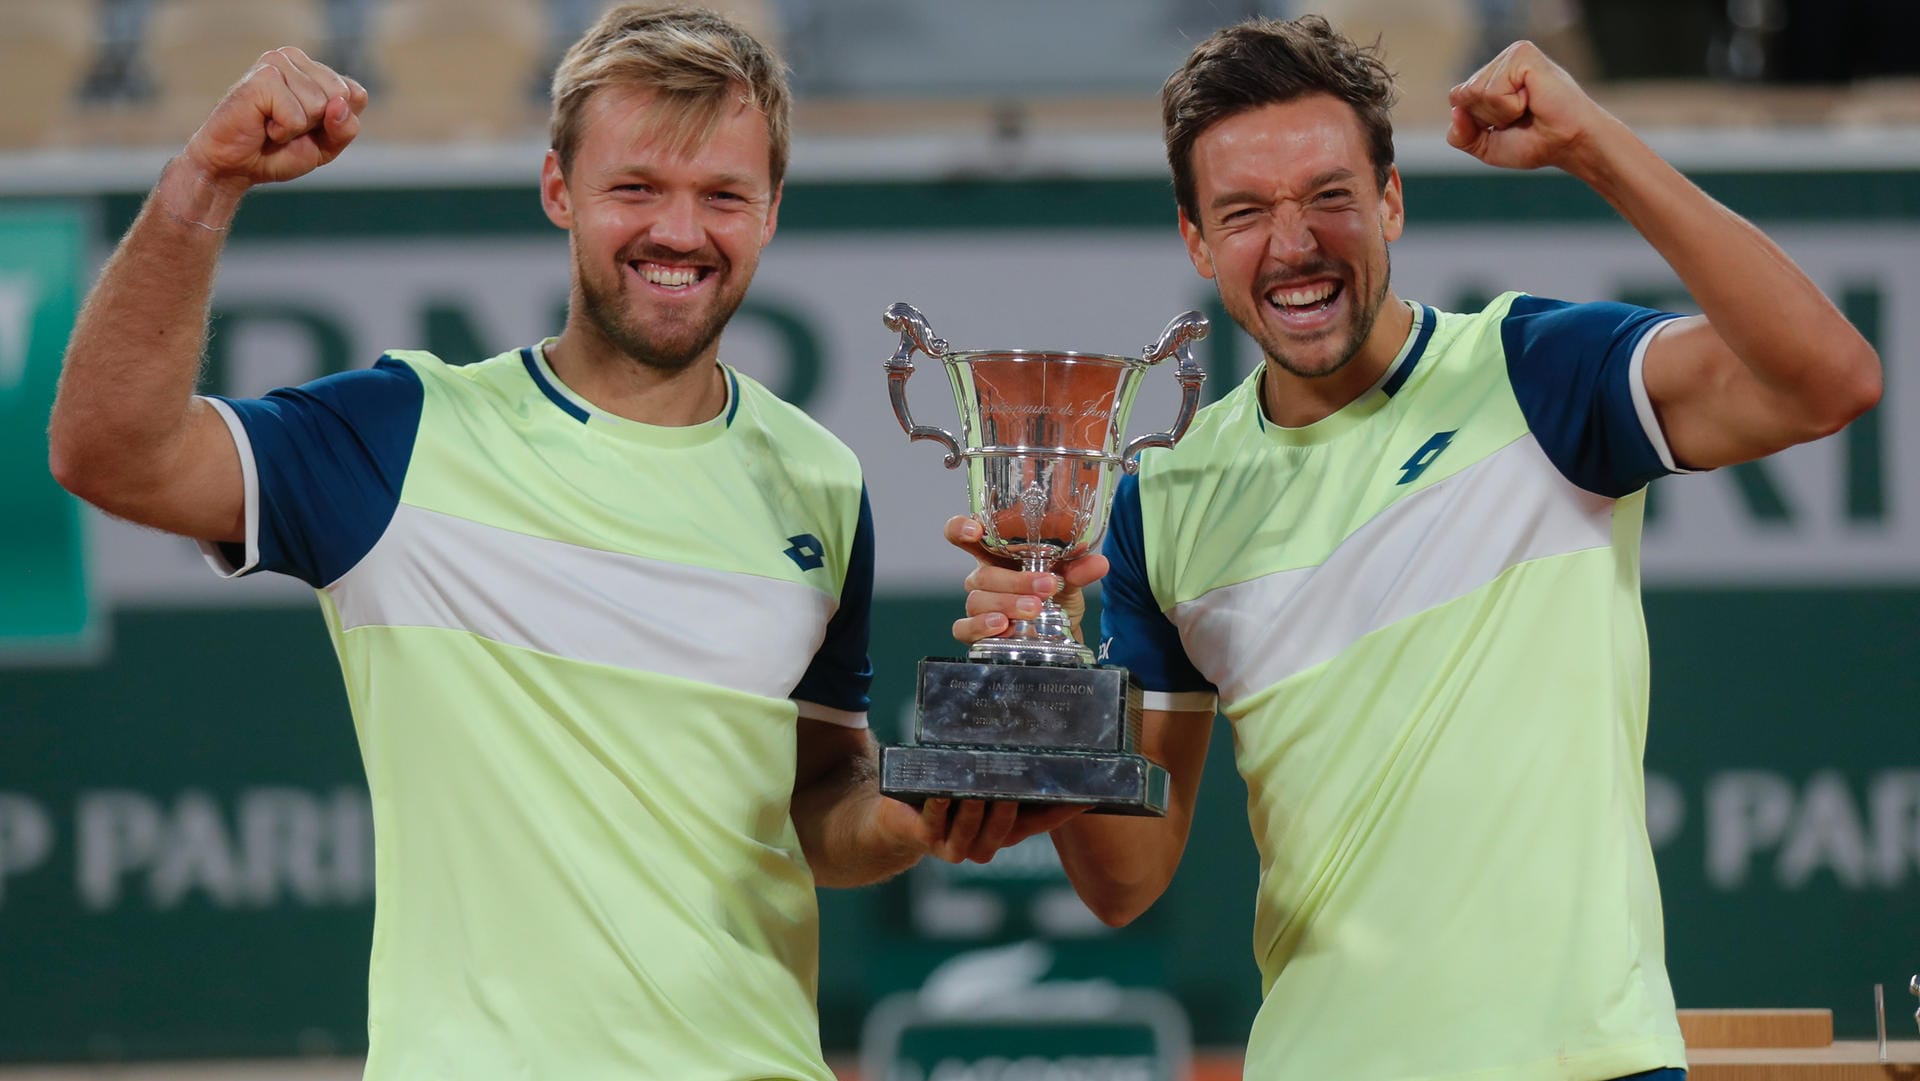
{"points": [[1121, 866], [127, 434], [1118, 865]]}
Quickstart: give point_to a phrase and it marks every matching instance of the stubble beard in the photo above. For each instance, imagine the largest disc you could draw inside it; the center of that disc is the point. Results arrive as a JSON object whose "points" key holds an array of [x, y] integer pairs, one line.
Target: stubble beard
{"points": [[1361, 328], [611, 315]]}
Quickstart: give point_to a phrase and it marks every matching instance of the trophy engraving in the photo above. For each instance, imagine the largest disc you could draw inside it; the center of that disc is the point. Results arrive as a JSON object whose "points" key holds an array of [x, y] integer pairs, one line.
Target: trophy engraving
{"points": [[1029, 716]]}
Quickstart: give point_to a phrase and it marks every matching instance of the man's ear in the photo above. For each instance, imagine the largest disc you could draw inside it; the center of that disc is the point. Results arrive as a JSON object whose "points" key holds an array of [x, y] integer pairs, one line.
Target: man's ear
{"points": [[555, 199], [1393, 207], [1196, 246]]}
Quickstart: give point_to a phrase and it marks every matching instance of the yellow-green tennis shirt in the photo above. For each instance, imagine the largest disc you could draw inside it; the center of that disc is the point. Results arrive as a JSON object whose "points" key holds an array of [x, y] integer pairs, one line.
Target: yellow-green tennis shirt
{"points": [[1421, 615], [575, 648]]}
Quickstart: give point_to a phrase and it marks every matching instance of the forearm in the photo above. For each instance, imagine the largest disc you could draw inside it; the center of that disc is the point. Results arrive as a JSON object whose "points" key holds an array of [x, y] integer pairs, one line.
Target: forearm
{"points": [[134, 354], [838, 820], [1120, 866], [1767, 311]]}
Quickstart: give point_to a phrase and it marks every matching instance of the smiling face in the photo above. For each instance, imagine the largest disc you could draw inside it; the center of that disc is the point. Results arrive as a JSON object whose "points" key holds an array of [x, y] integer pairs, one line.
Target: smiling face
{"points": [[1294, 231], [665, 236]]}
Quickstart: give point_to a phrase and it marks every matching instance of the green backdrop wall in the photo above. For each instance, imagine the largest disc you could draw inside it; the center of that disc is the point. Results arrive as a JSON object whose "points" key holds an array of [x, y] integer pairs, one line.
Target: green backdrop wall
{"points": [[205, 938]]}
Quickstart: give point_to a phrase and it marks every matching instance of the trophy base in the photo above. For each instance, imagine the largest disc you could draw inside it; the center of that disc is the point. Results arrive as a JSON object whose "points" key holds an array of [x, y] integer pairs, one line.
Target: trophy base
{"points": [[1107, 783], [1026, 707]]}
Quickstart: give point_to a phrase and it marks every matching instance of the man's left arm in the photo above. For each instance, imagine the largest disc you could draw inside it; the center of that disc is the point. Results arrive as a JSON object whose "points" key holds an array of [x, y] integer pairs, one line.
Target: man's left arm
{"points": [[850, 833], [1770, 362]]}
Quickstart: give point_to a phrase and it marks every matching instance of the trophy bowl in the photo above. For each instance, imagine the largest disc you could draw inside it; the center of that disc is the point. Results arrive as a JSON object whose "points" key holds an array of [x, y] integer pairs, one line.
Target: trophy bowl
{"points": [[1029, 716]]}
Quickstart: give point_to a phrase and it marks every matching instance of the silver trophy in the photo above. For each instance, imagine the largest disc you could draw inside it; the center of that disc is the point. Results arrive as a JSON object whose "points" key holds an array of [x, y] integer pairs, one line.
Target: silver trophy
{"points": [[1029, 716]]}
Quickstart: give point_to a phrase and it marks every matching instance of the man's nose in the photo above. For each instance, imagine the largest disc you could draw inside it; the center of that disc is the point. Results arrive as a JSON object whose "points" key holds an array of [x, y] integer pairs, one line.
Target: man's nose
{"points": [[1290, 238], [677, 225]]}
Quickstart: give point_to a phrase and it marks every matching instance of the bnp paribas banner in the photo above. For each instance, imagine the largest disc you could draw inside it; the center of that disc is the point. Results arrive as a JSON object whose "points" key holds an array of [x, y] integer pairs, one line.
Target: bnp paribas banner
{"points": [[185, 851]]}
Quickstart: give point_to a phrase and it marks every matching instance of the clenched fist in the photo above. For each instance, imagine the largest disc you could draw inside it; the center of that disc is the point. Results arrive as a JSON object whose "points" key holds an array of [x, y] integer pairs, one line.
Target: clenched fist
{"points": [[1523, 111], [285, 118]]}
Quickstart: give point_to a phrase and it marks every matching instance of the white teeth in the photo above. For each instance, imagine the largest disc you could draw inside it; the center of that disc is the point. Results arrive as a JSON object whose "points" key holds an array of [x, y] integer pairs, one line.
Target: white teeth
{"points": [[671, 277], [1296, 298]]}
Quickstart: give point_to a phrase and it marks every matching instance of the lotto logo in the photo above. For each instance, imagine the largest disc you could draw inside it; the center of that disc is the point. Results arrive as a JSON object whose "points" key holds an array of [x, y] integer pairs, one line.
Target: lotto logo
{"points": [[805, 551], [1424, 457]]}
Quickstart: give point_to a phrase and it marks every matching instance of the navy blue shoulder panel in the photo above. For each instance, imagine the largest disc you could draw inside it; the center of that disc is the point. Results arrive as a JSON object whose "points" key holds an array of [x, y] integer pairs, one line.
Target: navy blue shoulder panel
{"points": [[1569, 365], [330, 456], [1133, 630], [841, 672]]}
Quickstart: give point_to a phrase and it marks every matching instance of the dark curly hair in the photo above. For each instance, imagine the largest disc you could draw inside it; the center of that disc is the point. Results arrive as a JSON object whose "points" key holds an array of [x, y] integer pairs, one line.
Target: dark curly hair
{"points": [[1265, 62]]}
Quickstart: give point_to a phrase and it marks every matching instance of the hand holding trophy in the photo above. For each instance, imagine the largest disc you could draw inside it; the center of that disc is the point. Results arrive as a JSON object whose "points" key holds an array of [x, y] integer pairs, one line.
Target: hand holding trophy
{"points": [[1029, 716]]}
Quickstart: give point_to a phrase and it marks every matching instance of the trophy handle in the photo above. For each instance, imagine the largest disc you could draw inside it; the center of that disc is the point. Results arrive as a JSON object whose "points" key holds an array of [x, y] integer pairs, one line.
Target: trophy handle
{"points": [[1175, 341], [906, 320]]}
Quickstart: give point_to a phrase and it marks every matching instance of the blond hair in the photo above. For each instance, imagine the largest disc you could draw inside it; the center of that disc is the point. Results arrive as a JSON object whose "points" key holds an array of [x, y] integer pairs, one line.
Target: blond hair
{"points": [[696, 62]]}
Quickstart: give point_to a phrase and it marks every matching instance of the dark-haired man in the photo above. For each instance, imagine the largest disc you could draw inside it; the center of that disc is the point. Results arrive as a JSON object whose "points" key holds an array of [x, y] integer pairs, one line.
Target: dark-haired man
{"points": [[1403, 559]]}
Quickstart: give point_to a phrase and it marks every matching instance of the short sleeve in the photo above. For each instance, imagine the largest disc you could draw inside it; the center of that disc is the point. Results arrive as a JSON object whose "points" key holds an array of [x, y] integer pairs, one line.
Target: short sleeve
{"points": [[1134, 632], [323, 465], [836, 684], [1576, 371]]}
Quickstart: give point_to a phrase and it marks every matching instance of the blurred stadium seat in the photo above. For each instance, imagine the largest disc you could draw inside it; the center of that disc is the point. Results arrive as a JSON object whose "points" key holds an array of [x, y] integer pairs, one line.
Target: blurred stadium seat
{"points": [[144, 72], [1887, 102], [456, 69], [1430, 45], [477, 69], [45, 46], [199, 48]]}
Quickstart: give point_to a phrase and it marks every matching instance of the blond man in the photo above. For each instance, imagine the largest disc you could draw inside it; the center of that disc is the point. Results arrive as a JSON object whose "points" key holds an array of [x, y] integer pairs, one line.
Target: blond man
{"points": [[601, 601]]}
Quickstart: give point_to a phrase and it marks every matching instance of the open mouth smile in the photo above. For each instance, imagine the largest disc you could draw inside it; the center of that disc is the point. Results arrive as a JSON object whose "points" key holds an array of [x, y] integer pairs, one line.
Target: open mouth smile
{"points": [[669, 278], [1307, 306]]}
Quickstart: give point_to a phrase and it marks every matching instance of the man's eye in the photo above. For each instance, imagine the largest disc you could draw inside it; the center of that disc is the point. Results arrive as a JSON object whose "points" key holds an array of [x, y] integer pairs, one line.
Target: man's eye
{"points": [[1334, 195]]}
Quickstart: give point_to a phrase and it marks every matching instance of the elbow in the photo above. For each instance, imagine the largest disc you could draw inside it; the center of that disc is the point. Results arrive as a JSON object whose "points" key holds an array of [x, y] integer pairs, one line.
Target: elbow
{"points": [[1118, 883], [1118, 912], [1117, 904], [1855, 387], [87, 470], [68, 463], [1866, 386]]}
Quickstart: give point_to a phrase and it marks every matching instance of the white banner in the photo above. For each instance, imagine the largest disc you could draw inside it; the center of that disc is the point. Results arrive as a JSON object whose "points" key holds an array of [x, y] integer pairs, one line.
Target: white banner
{"points": [[1839, 511]]}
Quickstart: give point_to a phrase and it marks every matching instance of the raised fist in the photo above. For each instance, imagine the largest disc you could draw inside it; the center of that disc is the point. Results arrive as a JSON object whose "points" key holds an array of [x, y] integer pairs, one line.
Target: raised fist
{"points": [[285, 118], [1523, 111]]}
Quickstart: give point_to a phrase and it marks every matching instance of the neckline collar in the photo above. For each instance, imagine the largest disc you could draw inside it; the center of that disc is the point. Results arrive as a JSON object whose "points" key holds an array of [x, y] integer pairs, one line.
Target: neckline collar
{"points": [[1370, 401], [565, 399]]}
